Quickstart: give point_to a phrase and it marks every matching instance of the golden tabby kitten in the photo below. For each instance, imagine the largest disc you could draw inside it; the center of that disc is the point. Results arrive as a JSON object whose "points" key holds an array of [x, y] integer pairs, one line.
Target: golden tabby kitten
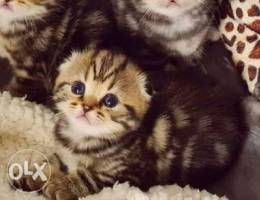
{"points": [[111, 129]]}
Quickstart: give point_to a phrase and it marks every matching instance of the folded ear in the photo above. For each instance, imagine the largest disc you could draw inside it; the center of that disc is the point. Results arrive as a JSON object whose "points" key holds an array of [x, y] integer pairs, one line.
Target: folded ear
{"points": [[145, 86], [149, 87]]}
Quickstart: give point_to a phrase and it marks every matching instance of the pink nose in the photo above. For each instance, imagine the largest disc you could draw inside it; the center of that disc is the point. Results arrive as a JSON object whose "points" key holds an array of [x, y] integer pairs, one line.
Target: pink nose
{"points": [[86, 108]]}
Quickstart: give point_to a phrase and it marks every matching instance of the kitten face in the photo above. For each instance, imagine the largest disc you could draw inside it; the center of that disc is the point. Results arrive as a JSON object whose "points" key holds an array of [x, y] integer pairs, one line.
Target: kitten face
{"points": [[101, 94], [169, 8], [14, 10]]}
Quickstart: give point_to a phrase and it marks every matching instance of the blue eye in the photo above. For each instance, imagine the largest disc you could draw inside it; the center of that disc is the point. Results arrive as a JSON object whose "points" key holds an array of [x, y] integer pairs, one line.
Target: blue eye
{"points": [[110, 101], [78, 88]]}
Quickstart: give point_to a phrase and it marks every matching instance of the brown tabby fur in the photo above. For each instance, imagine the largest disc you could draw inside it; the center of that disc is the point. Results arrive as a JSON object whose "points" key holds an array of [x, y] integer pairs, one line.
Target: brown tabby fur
{"points": [[189, 133]]}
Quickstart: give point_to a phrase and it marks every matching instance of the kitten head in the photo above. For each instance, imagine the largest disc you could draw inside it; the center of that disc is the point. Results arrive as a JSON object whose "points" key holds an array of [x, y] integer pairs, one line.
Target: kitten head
{"points": [[19, 10], [171, 9], [101, 95]]}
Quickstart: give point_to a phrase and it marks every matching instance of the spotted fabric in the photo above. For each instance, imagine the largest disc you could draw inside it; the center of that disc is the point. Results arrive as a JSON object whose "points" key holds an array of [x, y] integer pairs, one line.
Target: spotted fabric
{"points": [[240, 29]]}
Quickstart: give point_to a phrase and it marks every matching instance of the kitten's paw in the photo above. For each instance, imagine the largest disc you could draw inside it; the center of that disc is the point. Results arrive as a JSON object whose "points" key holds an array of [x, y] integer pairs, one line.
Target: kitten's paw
{"points": [[60, 189], [29, 184]]}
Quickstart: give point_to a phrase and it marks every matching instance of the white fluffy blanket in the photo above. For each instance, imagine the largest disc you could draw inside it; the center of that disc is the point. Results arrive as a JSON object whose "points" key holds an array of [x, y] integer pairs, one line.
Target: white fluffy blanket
{"points": [[24, 125]]}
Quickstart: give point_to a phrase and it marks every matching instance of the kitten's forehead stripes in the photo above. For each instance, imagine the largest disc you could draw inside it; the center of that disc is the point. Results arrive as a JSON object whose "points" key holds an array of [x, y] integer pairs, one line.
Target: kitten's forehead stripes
{"points": [[92, 63], [108, 67], [121, 67], [100, 72], [104, 70]]}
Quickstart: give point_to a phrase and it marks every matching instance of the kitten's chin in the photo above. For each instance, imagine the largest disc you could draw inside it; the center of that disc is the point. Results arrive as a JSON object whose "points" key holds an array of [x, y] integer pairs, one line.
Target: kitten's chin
{"points": [[86, 120], [82, 128]]}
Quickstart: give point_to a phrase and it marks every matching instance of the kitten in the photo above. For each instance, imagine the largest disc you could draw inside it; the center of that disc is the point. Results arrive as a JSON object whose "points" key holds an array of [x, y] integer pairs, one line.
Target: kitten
{"points": [[36, 35], [179, 26], [112, 128]]}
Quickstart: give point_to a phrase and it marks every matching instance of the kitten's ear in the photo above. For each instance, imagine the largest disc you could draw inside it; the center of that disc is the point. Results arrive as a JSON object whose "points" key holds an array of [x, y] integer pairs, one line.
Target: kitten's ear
{"points": [[149, 88], [145, 86]]}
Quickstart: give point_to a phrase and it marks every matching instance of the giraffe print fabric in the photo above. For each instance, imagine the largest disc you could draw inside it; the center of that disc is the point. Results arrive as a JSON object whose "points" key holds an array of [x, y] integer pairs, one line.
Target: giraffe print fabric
{"points": [[240, 29]]}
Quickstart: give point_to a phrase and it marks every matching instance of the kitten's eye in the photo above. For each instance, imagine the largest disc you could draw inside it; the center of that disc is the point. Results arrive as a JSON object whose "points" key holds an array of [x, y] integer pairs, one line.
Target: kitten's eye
{"points": [[110, 100], [78, 88]]}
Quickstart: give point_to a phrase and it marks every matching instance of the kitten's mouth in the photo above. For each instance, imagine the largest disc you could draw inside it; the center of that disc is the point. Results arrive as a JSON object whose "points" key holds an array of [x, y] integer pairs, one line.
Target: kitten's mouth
{"points": [[171, 3], [84, 118]]}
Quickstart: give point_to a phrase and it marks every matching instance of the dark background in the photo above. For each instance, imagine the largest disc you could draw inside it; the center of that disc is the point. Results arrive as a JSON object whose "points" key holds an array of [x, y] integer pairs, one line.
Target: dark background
{"points": [[243, 182]]}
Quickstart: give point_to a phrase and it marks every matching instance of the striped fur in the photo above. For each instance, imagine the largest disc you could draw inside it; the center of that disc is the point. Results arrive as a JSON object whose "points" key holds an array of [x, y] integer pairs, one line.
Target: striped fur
{"points": [[37, 35], [179, 27], [189, 133]]}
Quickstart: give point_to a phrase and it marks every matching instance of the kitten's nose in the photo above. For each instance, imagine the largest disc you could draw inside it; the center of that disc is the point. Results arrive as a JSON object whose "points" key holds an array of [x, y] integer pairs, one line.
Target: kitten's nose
{"points": [[86, 108], [89, 103]]}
